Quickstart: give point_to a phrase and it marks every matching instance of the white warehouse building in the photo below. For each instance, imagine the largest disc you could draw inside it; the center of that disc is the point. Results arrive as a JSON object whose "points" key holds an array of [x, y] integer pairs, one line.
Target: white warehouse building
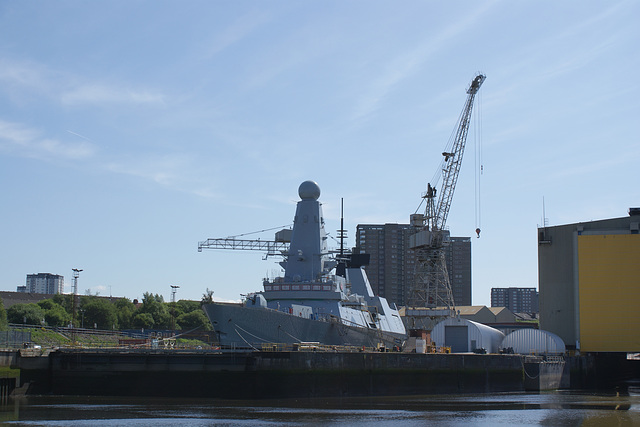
{"points": [[465, 336], [533, 341]]}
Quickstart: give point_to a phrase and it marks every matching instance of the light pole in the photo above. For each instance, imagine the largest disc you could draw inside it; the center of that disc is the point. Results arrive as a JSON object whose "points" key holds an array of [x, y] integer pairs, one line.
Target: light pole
{"points": [[76, 274], [174, 289]]}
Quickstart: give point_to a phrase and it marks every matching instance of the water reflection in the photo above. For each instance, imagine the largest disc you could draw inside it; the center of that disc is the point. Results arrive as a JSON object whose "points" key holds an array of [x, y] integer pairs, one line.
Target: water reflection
{"points": [[550, 409]]}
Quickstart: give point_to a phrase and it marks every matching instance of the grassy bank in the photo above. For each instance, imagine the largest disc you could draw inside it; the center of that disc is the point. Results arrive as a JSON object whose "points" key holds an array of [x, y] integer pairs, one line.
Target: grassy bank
{"points": [[48, 338]]}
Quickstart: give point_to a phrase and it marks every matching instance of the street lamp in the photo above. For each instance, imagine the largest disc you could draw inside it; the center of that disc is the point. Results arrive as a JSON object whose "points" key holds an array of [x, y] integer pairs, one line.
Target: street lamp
{"points": [[76, 274], [174, 289]]}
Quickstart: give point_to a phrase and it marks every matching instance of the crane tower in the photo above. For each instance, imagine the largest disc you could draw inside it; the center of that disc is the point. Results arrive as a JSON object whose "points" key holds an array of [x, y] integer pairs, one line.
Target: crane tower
{"points": [[431, 287]]}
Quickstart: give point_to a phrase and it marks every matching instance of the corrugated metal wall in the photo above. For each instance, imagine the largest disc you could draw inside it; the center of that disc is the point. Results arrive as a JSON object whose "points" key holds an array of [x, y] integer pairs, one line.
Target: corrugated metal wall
{"points": [[533, 341], [478, 335]]}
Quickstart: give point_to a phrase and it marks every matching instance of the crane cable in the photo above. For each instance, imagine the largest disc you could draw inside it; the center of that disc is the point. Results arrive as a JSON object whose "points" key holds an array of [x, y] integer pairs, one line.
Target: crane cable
{"points": [[479, 167], [259, 231], [435, 179]]}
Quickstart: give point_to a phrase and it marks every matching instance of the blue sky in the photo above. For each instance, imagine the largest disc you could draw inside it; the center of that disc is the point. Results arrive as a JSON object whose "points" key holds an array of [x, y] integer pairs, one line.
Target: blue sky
{"points": [[129, 131]]}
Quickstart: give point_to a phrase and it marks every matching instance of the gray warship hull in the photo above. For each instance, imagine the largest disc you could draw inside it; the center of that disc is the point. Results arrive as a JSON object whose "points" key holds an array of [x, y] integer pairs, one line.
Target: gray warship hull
{"points": [[240, 326]]}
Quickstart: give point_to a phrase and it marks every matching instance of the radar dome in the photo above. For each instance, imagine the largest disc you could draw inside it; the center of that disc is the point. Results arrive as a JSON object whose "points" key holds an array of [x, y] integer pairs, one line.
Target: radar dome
{"points": [[309, 190]]}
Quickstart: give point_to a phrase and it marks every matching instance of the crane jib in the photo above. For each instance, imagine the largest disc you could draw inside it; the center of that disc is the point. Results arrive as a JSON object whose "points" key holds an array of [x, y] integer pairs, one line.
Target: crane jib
{"points": [[454, 159], [476, 83]]}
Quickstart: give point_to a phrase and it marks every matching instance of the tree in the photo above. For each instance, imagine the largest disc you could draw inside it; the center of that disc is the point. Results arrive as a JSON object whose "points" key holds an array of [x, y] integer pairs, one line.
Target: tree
{"points": [[194, 320], [47, 304], [101, 313], [185, 306], [155, 306], [125, 311], [57, 316], [143, 320], [65, 300], [54, 313], [148, 297], [30, 314]]}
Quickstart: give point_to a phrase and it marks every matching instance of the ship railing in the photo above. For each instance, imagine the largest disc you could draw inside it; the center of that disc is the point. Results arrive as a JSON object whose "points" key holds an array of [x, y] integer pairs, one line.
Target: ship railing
{"points": [[375, 332], [314, 346], [347, 322]]}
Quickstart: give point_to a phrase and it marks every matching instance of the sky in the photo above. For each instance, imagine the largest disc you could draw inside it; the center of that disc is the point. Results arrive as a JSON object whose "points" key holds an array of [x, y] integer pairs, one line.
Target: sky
{"points": [[132, 130]]}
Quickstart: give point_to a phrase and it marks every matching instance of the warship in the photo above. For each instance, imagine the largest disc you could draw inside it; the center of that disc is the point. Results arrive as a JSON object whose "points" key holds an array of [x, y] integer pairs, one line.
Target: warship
{"points": [[323, 298]]}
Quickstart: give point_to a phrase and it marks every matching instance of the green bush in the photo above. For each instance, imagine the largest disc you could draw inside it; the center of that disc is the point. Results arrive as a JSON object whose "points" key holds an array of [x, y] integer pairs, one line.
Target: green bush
{"points": [[106, 313]]}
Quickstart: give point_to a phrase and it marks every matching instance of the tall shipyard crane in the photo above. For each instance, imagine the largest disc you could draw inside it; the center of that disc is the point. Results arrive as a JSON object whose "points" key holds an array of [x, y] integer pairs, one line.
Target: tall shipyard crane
{"points": [[431, 286]]}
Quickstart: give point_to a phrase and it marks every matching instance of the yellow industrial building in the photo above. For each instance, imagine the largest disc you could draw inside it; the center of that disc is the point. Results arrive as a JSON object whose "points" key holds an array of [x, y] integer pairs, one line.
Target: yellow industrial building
{"points": [[589, 283]]}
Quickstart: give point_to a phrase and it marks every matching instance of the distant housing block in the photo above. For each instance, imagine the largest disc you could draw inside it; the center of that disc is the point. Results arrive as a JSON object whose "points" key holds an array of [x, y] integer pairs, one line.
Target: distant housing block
{"points": [[43, 283], [518, 300]]}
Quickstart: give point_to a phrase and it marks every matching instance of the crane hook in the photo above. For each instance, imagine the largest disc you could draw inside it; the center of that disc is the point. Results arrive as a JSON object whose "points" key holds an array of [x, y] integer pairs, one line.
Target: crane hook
{"points": [[478, 232]]}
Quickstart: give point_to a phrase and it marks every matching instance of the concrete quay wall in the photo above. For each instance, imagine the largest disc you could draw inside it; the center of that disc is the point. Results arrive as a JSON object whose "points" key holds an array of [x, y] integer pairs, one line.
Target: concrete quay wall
{"points": [[257, 375]]}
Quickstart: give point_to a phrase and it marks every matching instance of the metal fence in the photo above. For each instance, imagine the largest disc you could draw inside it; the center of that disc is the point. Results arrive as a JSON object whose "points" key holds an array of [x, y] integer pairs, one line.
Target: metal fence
{"points": [[14, 339]]}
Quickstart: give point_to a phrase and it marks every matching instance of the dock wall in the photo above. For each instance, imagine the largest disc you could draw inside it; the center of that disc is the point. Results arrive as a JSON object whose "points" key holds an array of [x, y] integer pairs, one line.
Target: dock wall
{"points": [[267, 374], [304, 374]]}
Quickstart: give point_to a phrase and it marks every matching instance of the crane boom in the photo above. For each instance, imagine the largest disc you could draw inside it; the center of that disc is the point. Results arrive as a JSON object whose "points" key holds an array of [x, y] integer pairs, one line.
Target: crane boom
{"points": [[453, 159], [268, 246]]}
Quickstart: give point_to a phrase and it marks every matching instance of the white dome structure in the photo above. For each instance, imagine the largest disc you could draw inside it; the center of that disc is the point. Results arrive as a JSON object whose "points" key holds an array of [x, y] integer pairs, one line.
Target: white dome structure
{"points": [[465, 336], [533, 341]]}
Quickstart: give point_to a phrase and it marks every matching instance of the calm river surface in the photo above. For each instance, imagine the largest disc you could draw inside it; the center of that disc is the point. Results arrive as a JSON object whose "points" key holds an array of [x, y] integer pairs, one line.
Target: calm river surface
{"points": [[513, 409]]}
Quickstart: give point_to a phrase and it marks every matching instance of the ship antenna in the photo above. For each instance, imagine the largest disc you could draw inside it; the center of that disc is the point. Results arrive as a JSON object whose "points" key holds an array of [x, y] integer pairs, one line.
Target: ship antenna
{"points": [[341, 232]]}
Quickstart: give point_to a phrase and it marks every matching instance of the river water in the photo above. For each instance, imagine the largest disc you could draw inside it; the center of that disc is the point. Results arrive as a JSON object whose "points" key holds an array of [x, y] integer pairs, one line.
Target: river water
{"points": [[513, 409]]}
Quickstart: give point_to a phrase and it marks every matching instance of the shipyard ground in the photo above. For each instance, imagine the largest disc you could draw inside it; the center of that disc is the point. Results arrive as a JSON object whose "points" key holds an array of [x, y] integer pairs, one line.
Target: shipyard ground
{"points": [[297, 374]]}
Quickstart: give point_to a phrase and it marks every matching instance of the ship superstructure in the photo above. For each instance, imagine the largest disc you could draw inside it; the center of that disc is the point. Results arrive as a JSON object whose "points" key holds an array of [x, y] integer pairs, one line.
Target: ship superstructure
{"points": [[322, 297]]}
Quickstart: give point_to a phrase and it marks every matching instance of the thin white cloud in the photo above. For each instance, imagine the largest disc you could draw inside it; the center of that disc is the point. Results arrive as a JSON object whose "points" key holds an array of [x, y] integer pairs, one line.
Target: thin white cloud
{"points": [[408, 63], [20, 140], [594, 21], [595, 167], [283, 56], [20, 74], [234, 33], [560, 54], [172, 171], [101, 94], [573, 58], [160, 170]]}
